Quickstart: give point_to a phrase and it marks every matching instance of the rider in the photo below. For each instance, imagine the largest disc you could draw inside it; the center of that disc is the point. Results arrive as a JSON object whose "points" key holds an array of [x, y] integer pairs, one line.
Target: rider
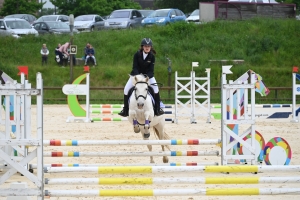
{"points": [[143, 63]]}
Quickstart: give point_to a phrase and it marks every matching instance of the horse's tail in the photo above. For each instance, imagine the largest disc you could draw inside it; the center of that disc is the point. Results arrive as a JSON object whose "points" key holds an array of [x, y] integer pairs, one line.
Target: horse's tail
{"points": [[166, 137]]}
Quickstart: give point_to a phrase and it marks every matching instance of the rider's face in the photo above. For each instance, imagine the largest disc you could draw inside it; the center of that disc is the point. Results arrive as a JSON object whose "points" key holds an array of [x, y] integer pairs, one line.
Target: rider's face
{"points": [[146, 48]]}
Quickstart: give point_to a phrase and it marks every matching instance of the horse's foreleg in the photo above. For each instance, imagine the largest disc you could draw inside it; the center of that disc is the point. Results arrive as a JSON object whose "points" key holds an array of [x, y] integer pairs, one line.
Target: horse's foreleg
{"points": [[132, 116], [147, 124], [136, 127], [146, 129]]}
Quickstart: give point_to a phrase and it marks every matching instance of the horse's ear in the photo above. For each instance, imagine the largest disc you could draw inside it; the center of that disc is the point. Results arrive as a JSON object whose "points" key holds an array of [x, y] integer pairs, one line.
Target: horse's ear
{"points": [[147, 79], [135, 78]]}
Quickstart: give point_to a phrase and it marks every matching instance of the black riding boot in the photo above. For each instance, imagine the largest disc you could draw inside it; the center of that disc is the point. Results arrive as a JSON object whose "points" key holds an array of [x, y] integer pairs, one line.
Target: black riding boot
{"points": [[125, 110], [157, 110]]}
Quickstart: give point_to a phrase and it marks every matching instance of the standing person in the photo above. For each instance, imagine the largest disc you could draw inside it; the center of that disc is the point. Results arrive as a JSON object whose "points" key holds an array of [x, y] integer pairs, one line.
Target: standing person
{"points": [[45, 53], [63, 52], [90, 54], [143, 63]]}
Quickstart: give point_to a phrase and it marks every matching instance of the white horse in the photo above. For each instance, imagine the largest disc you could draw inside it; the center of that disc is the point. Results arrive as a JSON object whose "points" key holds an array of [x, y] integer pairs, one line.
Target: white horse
{"points": [[141, 113]]}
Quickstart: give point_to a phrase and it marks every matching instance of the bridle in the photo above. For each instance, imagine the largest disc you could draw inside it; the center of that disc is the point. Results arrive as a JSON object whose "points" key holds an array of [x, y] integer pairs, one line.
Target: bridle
{"points": [[144, 97]]}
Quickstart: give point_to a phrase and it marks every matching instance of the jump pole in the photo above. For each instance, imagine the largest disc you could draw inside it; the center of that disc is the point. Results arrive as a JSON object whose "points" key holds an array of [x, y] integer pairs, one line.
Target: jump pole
{"points": [[138, 154], [177, 180], [174, 192], [169, 169], [34, 166], [130, 142]]}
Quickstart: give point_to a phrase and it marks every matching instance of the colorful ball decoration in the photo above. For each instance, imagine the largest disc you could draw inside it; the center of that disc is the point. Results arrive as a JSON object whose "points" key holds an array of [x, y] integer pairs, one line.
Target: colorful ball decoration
{"points": [[260, 146], [277, 152]]}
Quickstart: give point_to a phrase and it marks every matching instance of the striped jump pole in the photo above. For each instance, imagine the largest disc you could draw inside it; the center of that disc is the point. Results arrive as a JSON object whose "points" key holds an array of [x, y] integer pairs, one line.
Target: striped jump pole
{"points": [[130, 142], [174, 192], [34, 166], [118, 106], [111, 154], [168, 169], [118, 119], [262, 106], [167, 112], [183, 180]]}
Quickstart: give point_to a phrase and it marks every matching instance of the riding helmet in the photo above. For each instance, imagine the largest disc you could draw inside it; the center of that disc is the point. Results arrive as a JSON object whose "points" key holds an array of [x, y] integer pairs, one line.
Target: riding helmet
{"points": [[146, 41]]}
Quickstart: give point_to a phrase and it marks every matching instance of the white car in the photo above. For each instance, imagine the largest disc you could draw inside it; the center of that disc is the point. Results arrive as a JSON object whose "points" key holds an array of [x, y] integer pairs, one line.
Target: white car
{"points": [[194, 17], [17, 26]]}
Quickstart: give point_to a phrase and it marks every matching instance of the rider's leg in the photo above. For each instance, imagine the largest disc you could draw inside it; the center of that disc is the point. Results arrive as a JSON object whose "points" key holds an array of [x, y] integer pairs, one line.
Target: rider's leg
{"points": [[157, 110], [125, 110]]}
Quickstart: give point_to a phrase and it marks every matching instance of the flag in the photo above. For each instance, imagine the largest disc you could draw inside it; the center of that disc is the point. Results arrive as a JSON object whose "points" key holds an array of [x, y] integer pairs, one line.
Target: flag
{"points": [[86, 68], [195, 64], [24, 70], [295, 69]]}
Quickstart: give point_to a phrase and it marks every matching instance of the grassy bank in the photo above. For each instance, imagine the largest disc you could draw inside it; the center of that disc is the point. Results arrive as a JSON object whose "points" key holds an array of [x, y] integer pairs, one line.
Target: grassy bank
{"points": [[269, 47]]}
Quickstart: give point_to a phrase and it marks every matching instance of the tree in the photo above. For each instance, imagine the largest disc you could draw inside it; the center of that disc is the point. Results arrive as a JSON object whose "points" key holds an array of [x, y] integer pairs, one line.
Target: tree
{"points": [[47, 11], [101, 7], [20, 7], [184, 5]]}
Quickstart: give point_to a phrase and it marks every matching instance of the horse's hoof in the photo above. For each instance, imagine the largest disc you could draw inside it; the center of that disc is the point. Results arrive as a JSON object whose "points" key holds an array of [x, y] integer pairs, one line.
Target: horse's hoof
{"points": [[146, 135], [137, 130]]}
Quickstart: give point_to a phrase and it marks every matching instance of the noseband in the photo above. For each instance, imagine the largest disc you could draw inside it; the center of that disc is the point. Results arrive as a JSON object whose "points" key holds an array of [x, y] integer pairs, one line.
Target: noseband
{"points": [[136, 97]]}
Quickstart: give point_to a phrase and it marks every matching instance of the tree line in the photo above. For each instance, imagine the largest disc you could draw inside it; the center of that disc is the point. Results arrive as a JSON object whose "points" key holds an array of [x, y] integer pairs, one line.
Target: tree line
{"points": [[101, 7]]}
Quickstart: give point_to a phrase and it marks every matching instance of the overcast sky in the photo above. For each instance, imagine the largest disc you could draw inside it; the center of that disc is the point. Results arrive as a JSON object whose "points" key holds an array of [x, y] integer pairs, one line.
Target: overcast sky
{"points": [[48, 4]]}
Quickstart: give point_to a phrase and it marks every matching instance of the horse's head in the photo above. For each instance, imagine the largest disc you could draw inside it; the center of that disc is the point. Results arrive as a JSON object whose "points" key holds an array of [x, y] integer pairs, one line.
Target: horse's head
{"points": [[141, 84]]}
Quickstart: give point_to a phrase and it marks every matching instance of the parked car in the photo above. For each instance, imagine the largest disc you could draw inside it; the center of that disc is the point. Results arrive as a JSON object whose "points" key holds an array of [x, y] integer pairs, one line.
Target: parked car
{"points": [[28, 17], [89, 22], [194, 17], [17, 26], [53, 28], [164, 17], [124, 19], [57, 18], [4, 33], [145, 13]]}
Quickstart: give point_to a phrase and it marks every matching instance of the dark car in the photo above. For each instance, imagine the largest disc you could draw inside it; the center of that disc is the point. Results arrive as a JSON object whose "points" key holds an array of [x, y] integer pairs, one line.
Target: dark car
{"points": [[28, 17], [123, 19], [53, 27]]}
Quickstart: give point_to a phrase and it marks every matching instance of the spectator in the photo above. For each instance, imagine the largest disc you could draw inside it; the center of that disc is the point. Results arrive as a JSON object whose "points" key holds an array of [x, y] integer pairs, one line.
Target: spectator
{"points": [[86, 48], [63, 52], [90, 54], [57, 59], [45, 53]]}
